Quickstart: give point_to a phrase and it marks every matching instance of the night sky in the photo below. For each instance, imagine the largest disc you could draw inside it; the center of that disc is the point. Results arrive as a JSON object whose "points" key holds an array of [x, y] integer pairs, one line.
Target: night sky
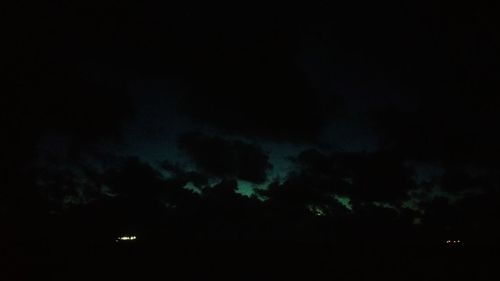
{"points": [[247, 121]]}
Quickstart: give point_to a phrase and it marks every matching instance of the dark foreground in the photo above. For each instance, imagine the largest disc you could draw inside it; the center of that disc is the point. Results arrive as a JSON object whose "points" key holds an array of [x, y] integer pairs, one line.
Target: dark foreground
{"points": [[155, 259]]}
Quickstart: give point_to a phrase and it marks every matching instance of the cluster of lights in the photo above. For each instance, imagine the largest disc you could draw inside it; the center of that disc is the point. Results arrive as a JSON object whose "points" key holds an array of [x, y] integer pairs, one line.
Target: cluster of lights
{"points": [[126, 238], [316, 210], [453, 241]]}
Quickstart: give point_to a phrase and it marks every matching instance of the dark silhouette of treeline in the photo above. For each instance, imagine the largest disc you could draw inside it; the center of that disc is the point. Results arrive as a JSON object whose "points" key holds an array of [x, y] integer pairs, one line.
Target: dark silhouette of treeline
{"points": [[293, 229]]}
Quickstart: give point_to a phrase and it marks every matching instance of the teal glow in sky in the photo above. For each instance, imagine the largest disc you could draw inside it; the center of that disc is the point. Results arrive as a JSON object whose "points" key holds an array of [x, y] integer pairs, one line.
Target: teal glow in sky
{"points": [[344, 201]]}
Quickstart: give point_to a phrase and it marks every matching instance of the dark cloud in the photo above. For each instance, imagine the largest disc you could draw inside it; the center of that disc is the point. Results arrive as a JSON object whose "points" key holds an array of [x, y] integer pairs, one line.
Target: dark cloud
{"points": [[50, 98], [248, 80], [456, 180], [48, 93], [319, 180], [442, 63], [182, 177], [382, 176], [445, 61], [452, 131], [134, 178], [379, 176], [470, 218], [224, 158], [316, 180]]}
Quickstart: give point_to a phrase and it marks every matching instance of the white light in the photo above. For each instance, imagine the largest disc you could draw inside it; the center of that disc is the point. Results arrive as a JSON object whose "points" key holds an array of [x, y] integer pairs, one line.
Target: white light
{"points": [[126, 238]]}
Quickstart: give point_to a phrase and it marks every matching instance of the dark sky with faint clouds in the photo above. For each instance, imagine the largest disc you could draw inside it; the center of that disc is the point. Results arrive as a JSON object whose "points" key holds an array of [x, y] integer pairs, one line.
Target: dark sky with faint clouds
{"points": [[420, 82], [338, 138]]}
